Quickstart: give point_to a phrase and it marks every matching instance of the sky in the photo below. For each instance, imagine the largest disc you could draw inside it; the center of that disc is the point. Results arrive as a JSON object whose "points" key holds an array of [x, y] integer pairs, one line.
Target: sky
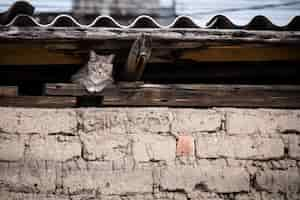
{"points": [[239, 11]]}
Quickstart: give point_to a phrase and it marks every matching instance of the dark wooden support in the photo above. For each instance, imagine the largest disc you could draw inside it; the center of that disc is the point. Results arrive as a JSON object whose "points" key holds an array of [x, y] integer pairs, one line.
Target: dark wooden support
{"points": [[69, 89], [188, 95], [8, 91], [241, 53], [139, 55], [38, 54], [38, 101]]}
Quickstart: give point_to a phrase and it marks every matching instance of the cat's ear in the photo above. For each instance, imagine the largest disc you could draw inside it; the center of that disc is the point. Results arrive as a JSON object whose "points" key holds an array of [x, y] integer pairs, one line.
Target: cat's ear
{"points": [[110, 58], [93, 55]]}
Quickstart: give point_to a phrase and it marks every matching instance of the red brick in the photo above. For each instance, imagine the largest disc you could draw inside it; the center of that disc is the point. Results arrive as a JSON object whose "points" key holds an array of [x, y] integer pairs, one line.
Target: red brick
{"points": [[185, 146]]}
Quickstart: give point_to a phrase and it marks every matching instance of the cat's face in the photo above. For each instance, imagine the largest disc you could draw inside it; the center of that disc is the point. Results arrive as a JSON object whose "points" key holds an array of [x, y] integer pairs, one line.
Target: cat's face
{"points": [[101, 64]]}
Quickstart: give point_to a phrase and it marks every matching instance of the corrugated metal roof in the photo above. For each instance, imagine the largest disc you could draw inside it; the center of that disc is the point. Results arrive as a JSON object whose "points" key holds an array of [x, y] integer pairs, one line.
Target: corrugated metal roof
{"points": [[238, 11], [17, 17], [217, 22]]}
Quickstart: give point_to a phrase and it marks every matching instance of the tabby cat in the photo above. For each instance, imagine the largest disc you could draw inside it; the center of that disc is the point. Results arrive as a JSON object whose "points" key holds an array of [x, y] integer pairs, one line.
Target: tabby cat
{"points": [[96, 74]]}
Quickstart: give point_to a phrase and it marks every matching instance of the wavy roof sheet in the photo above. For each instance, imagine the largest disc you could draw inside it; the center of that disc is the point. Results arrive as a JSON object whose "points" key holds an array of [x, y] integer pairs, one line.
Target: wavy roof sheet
{"points": [[16, 16]]}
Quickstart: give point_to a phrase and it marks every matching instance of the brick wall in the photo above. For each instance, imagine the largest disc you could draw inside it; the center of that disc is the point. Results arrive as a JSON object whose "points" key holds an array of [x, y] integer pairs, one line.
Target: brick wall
{"points": [[149, 153]]}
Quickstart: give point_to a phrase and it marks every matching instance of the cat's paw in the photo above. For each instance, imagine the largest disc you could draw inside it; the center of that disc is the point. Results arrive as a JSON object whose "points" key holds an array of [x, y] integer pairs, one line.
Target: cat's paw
{"points": [[91, 89]]}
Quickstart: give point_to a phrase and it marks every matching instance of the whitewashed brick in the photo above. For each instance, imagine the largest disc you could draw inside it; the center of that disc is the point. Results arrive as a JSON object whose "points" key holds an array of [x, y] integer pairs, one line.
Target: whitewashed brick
{"points": [[5, 195], [54, 148], [104, 120], [294, 146], [31, 177], [154, 147], [262, 121], [279, 181], [187, 121], [149, 120], [11, 147], [126, 120], [212, 179], [109, 182], [107, 147], [42, 121], [255, 148]]}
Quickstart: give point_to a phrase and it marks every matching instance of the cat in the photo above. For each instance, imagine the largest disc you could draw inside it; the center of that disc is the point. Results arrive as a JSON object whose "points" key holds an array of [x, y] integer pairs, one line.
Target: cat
{"points": [[96, 74]]}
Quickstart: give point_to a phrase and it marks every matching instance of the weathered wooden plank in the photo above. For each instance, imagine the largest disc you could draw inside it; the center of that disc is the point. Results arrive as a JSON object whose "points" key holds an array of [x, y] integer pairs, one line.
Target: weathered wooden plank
{"points": [[115, 35], [22, 54], [69, 89], [241, 53], [38, 101], [188, 95], [70, 46], [9, 91], [34, 54], [19, 74]]}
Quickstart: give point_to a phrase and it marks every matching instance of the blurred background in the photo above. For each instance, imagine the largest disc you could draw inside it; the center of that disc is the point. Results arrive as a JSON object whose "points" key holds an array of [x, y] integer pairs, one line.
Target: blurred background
{"points": [[240, 12]]}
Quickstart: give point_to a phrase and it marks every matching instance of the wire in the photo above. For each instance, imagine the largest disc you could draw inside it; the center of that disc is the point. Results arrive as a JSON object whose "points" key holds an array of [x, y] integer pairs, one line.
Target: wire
{"points": [[256, 7]]}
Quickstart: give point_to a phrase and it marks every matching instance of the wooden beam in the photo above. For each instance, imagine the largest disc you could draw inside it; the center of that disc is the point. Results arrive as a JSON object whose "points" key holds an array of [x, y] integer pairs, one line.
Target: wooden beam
{"points": [[238, 53], [21, 54], [70, 89], [34, 54], [38, 101], [38, 46], [188, 95], [8, 91], [165, 36]]}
